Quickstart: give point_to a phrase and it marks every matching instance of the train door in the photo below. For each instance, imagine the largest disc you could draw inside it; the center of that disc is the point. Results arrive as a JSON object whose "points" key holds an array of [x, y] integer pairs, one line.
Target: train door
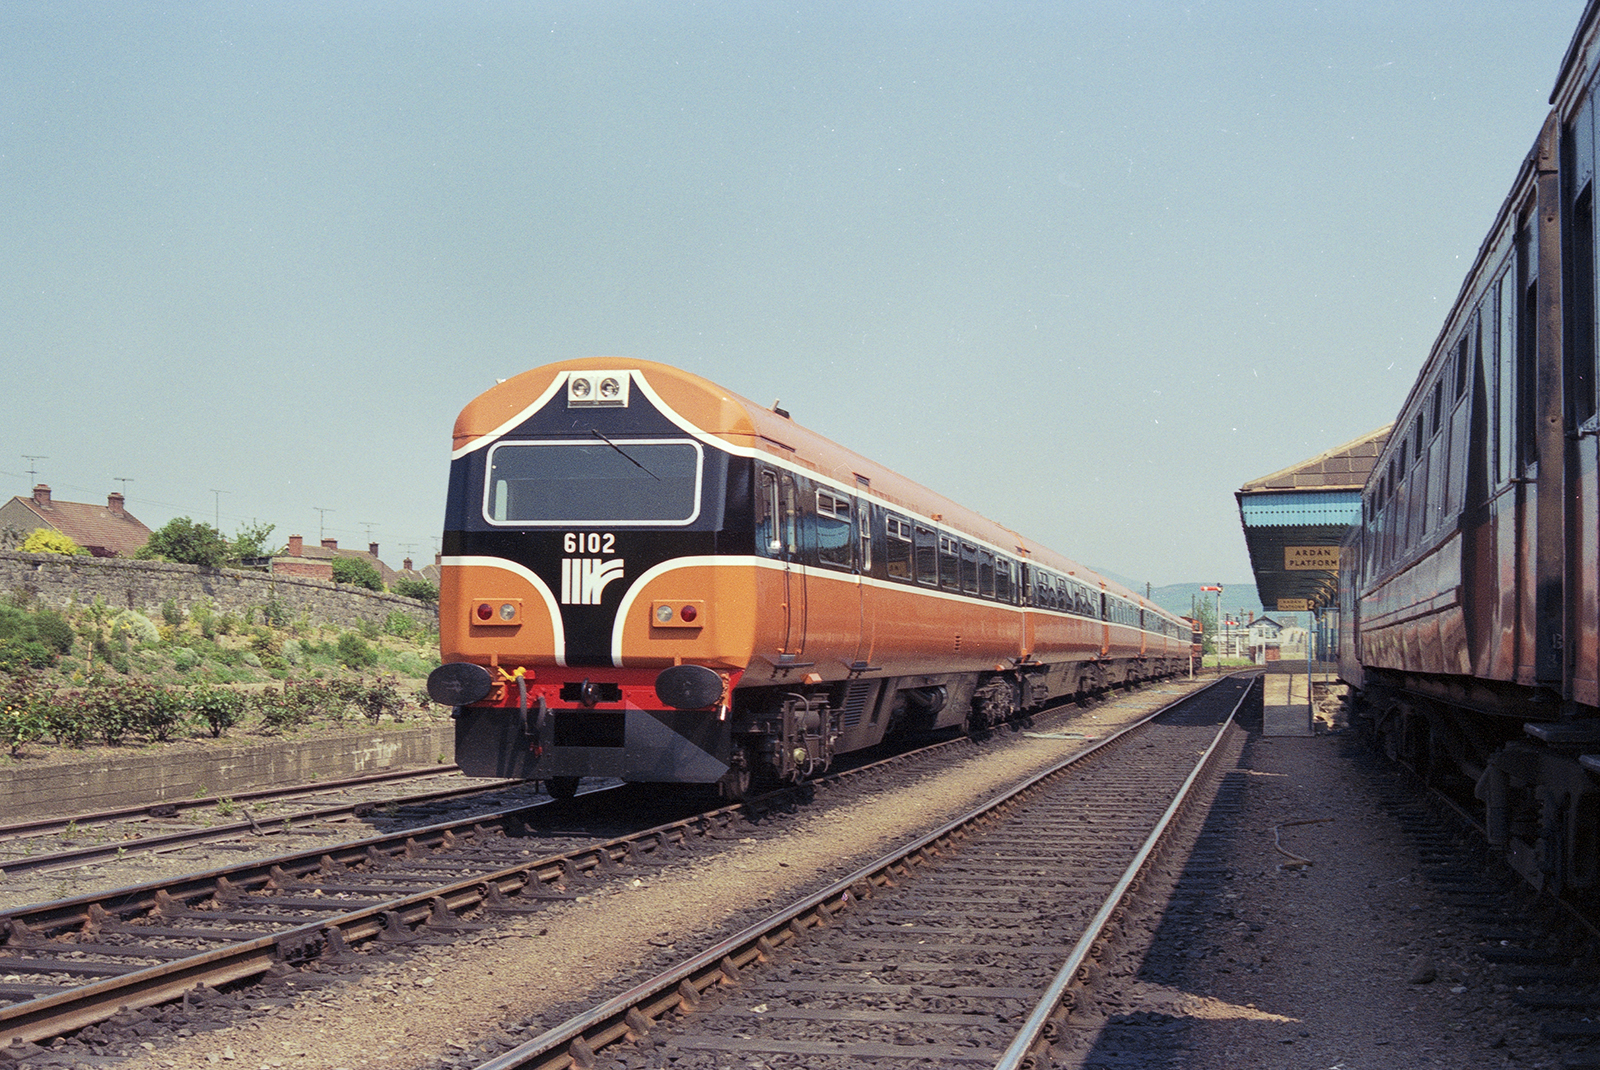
{"points": [[779, 503], [1105, 624], [1582, 573], [865, 524]]}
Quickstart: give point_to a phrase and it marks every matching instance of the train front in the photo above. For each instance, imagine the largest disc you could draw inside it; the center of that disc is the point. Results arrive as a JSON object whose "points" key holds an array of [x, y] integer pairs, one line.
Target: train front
{"points": [[595, 599]]}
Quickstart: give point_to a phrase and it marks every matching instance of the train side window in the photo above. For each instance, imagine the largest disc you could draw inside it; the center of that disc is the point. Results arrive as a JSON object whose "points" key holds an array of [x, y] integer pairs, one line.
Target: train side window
{"points": [[926, 556], [1461, 365], [1002, 581], [864, 535], [969, 568], [986, 573], [949, 563], [833, 530], [767, 513], [897, 547], [1505, 363], [1438, 406], [1583, 307]]}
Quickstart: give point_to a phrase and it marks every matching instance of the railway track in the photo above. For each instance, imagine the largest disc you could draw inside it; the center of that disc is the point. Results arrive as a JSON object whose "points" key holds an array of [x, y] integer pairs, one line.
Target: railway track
{"points": [[74, 962], [961, 948]]}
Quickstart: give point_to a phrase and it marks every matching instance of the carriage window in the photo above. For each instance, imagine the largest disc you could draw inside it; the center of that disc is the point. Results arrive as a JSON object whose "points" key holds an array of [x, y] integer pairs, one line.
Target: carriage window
{"points": [[969, 568], [621, 481], [898, 547], [1002, 581], [949, 563], [833, 529], [1438, 405], [986, 573], [927, 556]]}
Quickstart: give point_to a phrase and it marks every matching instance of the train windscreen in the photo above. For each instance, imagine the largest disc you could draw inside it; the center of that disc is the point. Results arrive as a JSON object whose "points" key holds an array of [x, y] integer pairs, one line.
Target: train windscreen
{"points": [[613, 481]]}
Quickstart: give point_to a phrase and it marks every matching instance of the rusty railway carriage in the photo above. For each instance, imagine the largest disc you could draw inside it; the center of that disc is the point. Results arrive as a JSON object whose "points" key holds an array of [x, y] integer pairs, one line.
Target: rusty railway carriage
{"points": [[1470, 585], [648, 577]]}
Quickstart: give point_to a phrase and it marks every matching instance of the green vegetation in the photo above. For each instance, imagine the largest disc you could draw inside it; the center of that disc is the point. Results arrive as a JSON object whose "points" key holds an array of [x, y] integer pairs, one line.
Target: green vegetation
{"points": [[421, 590], [357, 572], [91, 674], [185, 542], [50, 541]]}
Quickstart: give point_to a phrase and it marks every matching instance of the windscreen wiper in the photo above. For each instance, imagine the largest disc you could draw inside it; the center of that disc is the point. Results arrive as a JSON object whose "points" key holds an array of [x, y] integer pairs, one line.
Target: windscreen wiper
{"points": [[596, 433]]}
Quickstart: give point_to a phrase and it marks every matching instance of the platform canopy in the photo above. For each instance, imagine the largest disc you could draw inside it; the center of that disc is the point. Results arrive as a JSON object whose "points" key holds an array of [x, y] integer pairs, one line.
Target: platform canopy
{"points": [[1294, 519]]}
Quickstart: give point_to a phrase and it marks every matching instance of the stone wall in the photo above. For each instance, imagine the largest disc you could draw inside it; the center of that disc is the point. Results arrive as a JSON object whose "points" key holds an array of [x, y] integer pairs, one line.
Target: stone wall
{"points": [[58, 581]]}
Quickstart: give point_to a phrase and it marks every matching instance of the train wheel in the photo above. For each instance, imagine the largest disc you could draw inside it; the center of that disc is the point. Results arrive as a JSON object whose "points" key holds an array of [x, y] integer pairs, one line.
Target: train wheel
{"points": [[562, 787]]}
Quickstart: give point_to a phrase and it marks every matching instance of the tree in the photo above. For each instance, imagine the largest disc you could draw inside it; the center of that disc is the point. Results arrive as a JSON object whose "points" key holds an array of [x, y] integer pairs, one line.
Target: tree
{"points": [[250, 542], [186, 543], [358, 572], [50, 541], [1203, 611]]}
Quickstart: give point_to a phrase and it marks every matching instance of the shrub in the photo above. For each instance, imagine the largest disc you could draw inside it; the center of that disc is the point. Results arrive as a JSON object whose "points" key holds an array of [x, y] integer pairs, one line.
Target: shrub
{"points": [[187, 543], [355, 652], [53, 631], [172, 613], [401, 625], [381, 698], [358, 572], [50, 541], [22, 713], [134, 625], [218, 708], [421, 590]]}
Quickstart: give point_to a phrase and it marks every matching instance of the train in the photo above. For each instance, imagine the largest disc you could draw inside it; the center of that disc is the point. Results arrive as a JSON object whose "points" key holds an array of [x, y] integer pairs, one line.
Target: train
{"points": [[1468, 588], [647, 577]]}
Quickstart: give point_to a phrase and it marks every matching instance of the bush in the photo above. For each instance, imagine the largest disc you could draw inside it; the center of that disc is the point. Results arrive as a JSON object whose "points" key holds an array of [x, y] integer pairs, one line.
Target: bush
{"points": [[51, 541], [31, 640], [187, 543], [421, 590], [355, 652], [218, 708], [358, 572], [135, 626], [22, 713], [381, 698], [53, 631], [401, 625]]}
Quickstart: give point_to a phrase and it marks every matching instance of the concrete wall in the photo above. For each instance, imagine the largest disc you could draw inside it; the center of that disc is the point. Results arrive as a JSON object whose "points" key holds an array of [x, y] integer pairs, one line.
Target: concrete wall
{"points": [[56, 580], [220, 767]]}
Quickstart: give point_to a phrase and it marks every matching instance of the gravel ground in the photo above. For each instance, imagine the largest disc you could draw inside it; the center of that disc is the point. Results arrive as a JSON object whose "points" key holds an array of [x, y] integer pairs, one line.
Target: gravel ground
{"points": [[1256, 965], [1356, 960]]}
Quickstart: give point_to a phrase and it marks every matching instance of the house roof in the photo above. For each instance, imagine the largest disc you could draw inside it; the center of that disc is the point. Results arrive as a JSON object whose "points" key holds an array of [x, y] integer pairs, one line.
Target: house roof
{"points": [[106, 530]]}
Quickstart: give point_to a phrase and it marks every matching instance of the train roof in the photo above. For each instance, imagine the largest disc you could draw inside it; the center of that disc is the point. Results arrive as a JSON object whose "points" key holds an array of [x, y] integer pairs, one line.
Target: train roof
{"points": [[747, 428]]}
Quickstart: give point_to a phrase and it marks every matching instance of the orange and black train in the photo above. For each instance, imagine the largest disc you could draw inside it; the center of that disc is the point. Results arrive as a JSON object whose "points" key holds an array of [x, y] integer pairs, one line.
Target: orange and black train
{"points": [[648, 577]]}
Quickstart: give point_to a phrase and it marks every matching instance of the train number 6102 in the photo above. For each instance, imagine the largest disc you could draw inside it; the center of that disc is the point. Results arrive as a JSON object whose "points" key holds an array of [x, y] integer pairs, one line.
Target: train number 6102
{"points": [[592, 542]]}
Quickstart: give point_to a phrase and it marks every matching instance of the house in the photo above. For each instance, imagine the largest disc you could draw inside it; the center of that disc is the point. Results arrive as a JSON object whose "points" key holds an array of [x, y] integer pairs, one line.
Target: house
{"points": [[107, 530], [298, 559]]}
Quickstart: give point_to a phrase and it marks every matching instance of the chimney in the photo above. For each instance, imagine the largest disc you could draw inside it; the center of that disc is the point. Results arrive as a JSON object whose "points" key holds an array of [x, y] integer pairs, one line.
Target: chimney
{"points": [[296, 544], [114, 502], [406, 566], [438, 559], [41, 496], [372, 548], [330, 544]]}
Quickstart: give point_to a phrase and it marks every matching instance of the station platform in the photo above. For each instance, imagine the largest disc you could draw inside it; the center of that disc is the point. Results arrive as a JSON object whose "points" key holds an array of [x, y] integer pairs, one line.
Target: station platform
{"points": [[1285, 704]]}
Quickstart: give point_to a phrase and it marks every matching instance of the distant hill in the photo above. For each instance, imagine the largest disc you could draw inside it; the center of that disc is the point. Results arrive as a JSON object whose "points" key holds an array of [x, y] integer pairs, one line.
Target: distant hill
{"points": [[1176, 597]]}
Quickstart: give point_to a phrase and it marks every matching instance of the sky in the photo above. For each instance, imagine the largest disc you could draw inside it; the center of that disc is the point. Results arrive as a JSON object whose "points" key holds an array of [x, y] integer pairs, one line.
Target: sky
{"points": [[1085, 267]]}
